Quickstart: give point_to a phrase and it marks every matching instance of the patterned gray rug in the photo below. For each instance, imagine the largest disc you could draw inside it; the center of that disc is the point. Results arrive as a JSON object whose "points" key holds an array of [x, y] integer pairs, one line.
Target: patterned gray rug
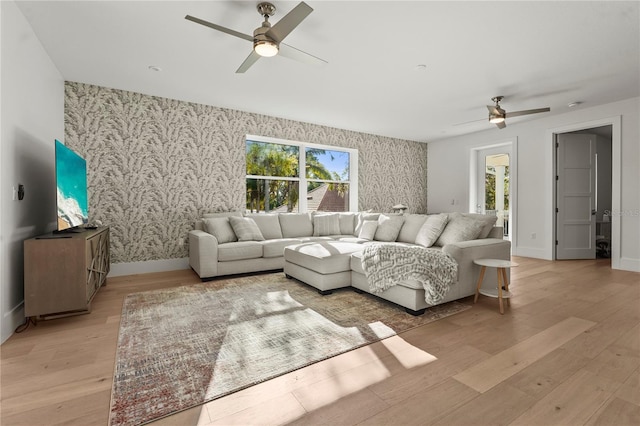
{"points": [[185, 346]]}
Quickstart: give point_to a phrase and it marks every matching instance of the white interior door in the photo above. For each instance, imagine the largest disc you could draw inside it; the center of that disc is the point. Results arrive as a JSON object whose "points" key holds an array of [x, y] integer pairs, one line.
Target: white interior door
{"points": [[575, 196]]}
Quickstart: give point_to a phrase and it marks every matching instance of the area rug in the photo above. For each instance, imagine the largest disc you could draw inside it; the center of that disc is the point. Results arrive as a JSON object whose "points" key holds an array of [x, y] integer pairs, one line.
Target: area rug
{"points": [[185, 346]]}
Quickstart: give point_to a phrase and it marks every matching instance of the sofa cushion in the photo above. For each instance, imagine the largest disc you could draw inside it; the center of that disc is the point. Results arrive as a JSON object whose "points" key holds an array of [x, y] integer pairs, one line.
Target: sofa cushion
{"points": [[325, 257], [269, 225], [350, 239], [431, 229], [410, 227], [459, 228], [246, 229], [313, 239], [362, 216], [326, 224], [368, 230], [487, 221], [275, 248], [295, 225], [388, 227], [220, 228], [239, 250], [347, 222]]}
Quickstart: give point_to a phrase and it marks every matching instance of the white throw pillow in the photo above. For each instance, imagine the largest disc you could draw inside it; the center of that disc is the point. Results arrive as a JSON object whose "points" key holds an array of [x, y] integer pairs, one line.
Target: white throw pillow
{"points": [[431, 229], [220, 228], [347, 222], [388, 227], [411, 226], [487, 221], [246, 229], [326, 224], [459, 228], [362, 216], [368, 229]]}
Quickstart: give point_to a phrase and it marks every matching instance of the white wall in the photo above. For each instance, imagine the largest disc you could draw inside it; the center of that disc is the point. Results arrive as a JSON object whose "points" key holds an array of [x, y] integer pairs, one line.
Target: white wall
{"points": [[32, 116], [448, 176]]}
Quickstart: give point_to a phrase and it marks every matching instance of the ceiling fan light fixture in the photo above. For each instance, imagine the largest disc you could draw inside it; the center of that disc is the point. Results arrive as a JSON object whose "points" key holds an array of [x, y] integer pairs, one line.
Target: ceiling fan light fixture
{"points": [[495, 119], [266, 48]]}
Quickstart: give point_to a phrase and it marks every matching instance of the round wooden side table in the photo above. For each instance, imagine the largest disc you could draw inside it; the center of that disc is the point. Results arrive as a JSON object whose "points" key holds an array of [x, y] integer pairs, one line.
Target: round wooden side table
{"points": [[502, 291]]}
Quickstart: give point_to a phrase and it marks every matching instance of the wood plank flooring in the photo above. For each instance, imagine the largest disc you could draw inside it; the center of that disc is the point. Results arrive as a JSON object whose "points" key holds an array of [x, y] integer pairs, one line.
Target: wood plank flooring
{"points": [[566, 352]]}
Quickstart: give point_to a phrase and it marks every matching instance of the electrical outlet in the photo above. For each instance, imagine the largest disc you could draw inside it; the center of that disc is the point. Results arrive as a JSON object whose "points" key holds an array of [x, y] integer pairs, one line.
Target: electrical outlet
{"points": [[180, 241], [14, 196], [533, 235]]}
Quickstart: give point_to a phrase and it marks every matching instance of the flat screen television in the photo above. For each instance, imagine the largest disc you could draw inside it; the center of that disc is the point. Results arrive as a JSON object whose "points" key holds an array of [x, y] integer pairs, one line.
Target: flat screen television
{"points": [[71, 182]]}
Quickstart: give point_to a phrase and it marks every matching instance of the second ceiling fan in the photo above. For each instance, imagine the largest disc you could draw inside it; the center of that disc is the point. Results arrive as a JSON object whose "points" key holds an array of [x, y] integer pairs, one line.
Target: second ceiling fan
{"points": [[267, 39], [497, 115]]}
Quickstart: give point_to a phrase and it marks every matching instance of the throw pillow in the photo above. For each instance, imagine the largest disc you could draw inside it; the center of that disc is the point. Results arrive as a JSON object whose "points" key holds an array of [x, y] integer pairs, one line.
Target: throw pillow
{"points": [[459, 228], [487, 221], [325, 224], [368, 229], [246, 229], [362, 216], [410, 228], [220, 228], [269, 225], [431, 229], [388, 227], [347, 222]]}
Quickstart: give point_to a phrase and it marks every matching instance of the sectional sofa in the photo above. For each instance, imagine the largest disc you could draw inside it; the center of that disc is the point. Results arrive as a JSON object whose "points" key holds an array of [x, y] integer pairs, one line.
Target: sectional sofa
{"points": [[323, 249]]}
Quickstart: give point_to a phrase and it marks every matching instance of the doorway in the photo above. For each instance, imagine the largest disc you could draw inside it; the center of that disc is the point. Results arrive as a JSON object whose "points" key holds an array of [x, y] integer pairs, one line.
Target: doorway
{"points": [[583, 201], [493, 185]]}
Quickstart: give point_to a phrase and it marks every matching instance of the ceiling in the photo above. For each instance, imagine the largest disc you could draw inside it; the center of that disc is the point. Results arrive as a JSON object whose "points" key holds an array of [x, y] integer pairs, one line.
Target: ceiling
{"points": [[536, 54]]}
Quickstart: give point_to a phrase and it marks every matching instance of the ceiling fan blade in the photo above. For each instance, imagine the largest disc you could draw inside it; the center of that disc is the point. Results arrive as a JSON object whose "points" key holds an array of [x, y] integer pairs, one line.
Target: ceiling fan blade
{"points": [[297, 54], [219, 28], [526, 112], [251, 59], [493, 110], [501, 125], [289, 22]]}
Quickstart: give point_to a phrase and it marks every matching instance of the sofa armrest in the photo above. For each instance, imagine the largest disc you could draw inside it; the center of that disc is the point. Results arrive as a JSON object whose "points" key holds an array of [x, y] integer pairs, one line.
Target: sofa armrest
{"points": [[465, 252], [203, 253], [486, 248]]}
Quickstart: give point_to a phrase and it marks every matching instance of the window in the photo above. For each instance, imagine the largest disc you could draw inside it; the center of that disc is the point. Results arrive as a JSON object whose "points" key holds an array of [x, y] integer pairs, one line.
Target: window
{"points": [[286, 176]]}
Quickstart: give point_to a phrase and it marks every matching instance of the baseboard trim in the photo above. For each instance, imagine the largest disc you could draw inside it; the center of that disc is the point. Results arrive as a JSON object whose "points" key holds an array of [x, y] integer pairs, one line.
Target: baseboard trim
{"points": [[628, 264], [535, 253], [132, 268]]}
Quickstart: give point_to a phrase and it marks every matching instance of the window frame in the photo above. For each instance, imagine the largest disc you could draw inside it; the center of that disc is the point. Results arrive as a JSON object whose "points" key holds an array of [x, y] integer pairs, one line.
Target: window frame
{"points": [[302, 176]]}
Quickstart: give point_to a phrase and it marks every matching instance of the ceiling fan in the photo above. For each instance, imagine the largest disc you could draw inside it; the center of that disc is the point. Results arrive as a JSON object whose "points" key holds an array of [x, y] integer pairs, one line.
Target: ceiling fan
{"points": [[497, 115], [267, 39]]}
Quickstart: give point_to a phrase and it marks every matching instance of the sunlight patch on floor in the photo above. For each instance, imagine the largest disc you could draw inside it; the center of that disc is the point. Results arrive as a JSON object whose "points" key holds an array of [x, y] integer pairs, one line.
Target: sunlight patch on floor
{"points": [[407, 355], [331, 389]]}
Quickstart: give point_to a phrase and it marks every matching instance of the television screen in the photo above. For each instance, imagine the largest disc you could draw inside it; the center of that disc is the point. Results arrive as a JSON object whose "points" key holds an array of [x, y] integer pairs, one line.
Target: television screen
{"points": [[71, 180]]}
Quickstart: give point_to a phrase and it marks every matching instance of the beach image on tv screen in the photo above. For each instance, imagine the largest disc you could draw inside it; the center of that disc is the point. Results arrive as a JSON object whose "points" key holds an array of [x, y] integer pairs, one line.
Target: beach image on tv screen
{"points": [[71, 178]]}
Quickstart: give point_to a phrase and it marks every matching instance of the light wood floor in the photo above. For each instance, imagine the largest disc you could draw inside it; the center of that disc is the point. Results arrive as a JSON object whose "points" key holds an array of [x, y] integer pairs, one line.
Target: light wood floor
{"points": [[567, 352]]}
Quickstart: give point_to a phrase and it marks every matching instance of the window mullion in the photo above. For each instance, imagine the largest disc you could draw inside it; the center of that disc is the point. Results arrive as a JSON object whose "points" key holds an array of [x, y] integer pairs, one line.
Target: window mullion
{"points": [[302, 167]]}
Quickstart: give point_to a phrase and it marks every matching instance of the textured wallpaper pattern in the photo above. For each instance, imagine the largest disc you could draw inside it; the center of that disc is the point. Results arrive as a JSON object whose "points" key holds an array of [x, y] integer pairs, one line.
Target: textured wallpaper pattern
{"points": [[156, 164]]}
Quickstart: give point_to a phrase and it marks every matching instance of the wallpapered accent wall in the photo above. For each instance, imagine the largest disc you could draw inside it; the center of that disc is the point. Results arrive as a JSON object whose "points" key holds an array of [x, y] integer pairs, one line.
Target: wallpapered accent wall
{"points": [[156, 164]]}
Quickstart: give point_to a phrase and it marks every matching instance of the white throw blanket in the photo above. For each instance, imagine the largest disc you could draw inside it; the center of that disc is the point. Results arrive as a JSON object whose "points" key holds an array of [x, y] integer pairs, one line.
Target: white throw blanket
{"points": [[385, 265]]}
